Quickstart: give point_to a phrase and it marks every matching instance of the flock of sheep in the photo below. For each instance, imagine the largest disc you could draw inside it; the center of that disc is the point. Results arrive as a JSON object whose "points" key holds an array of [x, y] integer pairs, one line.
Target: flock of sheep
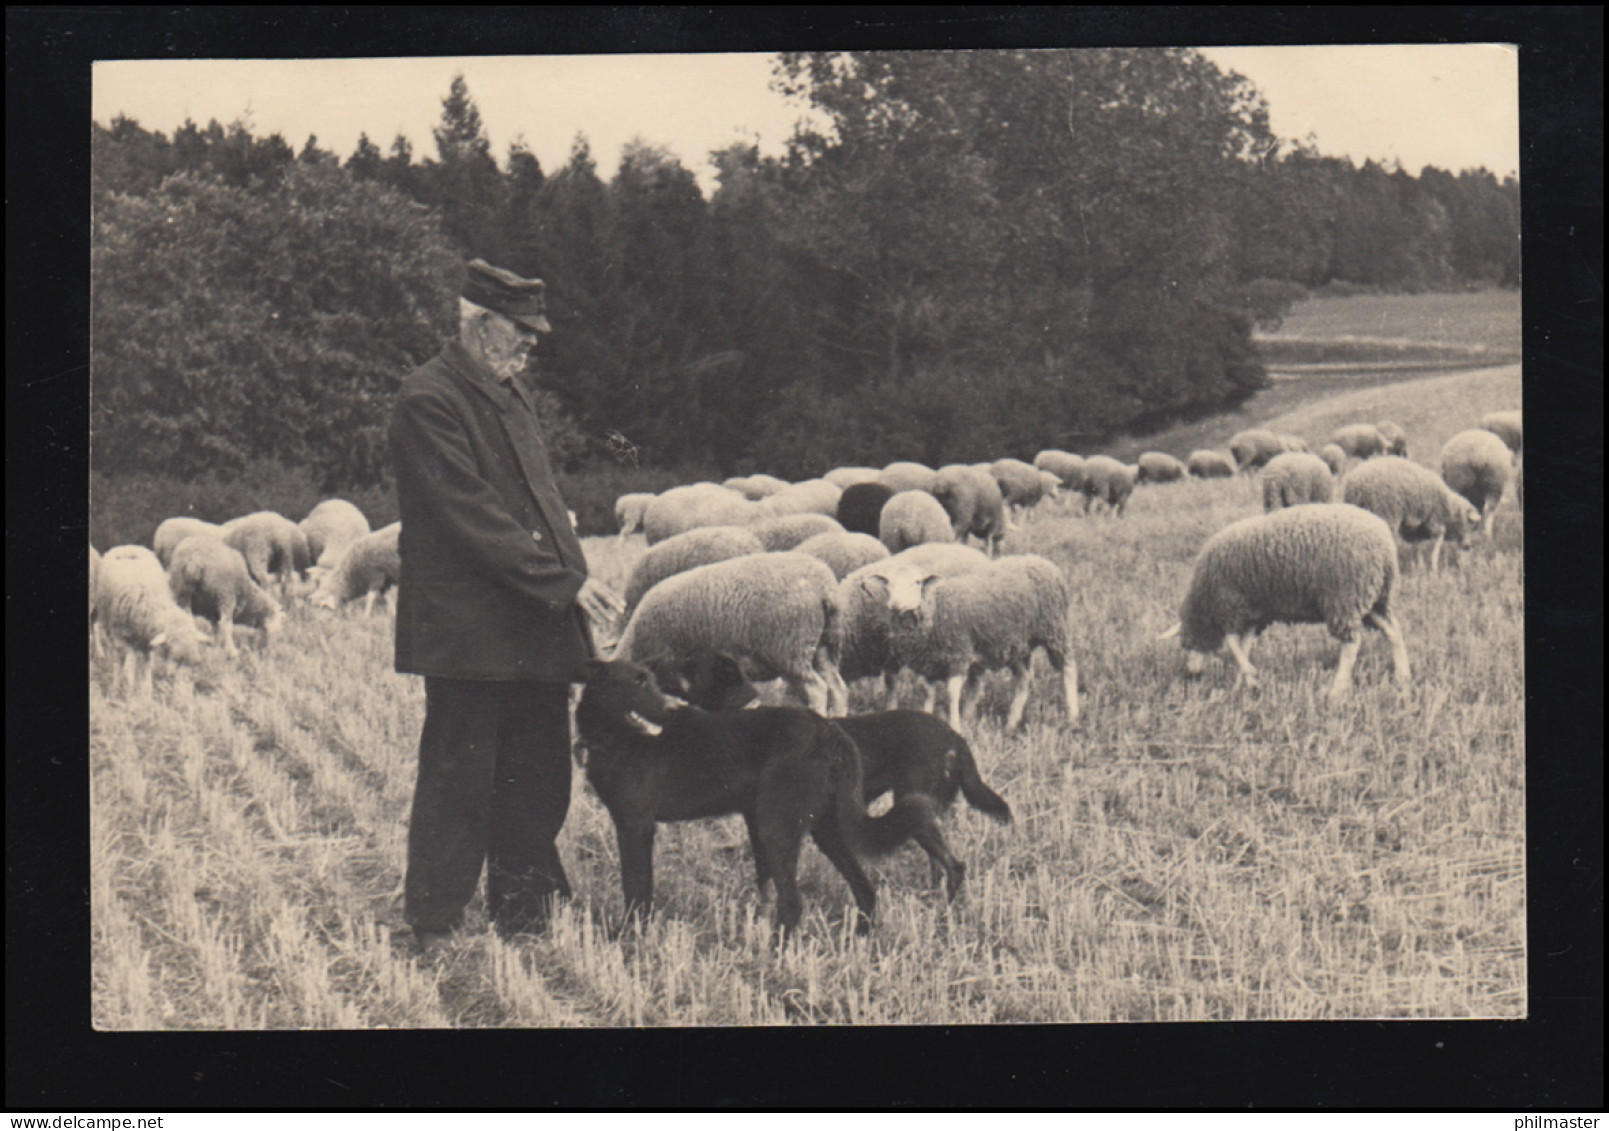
{"points": [[148, 600], [867, 572]]}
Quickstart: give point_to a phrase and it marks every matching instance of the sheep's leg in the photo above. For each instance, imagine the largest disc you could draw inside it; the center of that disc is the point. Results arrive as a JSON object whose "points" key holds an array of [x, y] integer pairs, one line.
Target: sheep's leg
{"points": [[1399, 648], [1237, 649], [1069, 680], [368, 602], [226, 629], [1022, 678], [954, 685], [890, 690], [931, 696], [837, 689], [812, 689], [1343, 672], [1435, 552]]}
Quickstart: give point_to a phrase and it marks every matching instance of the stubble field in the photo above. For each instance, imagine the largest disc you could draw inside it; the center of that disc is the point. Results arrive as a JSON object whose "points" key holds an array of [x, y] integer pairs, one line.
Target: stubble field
{"points": [[1192, 850]]}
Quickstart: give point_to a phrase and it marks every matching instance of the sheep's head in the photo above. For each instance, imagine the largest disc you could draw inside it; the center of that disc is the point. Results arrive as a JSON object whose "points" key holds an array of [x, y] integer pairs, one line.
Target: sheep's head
{"points": [[907, 587], [178, 639], [275, 620], [1050, 485]]}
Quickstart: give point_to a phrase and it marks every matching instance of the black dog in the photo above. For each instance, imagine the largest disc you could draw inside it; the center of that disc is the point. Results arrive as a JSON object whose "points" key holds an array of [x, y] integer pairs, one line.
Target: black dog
{"points": [[651, 759], [913, 753]]}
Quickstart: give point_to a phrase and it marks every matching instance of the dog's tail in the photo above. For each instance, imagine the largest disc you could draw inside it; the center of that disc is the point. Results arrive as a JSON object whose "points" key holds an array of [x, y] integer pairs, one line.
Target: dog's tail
{"points": [[978, 795], [868, 835]]}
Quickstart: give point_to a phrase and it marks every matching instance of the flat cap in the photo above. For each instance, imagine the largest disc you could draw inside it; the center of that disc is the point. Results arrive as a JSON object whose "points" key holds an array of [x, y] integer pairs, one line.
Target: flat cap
{"points": [[507, 294]]}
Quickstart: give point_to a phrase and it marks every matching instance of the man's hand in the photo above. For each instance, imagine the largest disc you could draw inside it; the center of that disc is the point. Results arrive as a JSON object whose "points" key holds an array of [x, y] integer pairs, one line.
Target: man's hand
{"points": [[601, 604]]}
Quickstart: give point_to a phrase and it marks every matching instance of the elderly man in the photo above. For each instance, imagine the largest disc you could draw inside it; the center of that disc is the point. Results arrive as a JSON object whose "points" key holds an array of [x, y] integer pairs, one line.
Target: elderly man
{"points": [[492, 609]]}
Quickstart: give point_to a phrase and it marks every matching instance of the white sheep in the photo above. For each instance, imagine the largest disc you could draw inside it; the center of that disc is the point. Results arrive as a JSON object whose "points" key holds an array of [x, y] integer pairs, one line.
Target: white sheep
{"points": [[1065, 466], [1295, 478], [1478, 465], [330, 528], [1206, 464], [629, 510], [786, 531], [1159, 467], [844, 478], [273, 546], [135, 607], [911, 518], [904, 475], [813, 496], [972, 499], [867, 651], [1290, 443], [370, 567], [1334, 457], [756, 487], [1361, 441], [689, 550], [1413, 501], [1506, 426], [1330, 564], [1108, 481], [209, 579], [1396, 438], [948, 628], [1022, 485], [844, 551], [702, 504], [172, 531], [1254, 447], [778, 611]]}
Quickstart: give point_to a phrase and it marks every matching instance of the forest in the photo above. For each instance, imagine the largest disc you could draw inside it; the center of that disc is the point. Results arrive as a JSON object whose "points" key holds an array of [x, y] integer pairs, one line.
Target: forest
{"points": [[980, 253]]}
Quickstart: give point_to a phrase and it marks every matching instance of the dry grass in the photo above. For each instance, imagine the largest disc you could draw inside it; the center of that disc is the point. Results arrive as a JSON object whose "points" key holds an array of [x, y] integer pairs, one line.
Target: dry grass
{"points": [[1194, 850]]}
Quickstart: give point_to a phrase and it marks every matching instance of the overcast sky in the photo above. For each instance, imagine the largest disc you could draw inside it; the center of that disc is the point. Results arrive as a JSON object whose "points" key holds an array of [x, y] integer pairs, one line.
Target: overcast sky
{"points": [[1454, 106]]}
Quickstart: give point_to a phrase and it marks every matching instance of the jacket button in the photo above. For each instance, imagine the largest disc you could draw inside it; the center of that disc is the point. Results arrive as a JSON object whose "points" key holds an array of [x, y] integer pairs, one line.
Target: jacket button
{"points": [[536, 535]]}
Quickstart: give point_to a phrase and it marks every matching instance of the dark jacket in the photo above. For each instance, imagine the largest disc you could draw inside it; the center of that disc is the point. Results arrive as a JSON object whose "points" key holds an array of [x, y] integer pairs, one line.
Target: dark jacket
{"points": [[490, 563]]}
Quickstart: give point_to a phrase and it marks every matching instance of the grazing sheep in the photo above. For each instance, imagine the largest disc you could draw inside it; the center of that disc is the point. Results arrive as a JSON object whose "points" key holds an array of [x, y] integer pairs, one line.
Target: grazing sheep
{"points": [[1413, 501], [860, 508], [813, 496], [1205, 464], [273, 546], [136, 608], [903, 475], [1159, 467], [1334, 458], [778, 611], [1361, 441], [1253, 448], [172, 531], [1065, 466], [1294, 478], [703, 546], [787, 531], [844, 478], [209, 579], [946, 628], [1506, 427], [1396, 438], [330, 528], [681, 509], [844, 551], [629, 510], [1108, 481], [1478, 465], [1022, 484], [867, 621], [370, 567], [911, 518], [972, 499], [756, 487], [1329, 564], [1289, 443]]}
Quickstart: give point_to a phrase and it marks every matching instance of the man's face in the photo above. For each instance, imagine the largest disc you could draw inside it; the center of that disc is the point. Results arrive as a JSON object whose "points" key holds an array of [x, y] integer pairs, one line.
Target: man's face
{"points": [[506, 346]]}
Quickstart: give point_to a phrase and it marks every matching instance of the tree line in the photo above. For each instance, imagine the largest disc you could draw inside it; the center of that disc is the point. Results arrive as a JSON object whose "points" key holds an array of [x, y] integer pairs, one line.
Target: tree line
{"points": [[970, 254]]}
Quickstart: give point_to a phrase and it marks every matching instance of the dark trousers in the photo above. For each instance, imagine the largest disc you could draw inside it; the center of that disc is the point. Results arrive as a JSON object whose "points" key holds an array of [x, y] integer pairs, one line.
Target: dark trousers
{"points": [[494, 787]]}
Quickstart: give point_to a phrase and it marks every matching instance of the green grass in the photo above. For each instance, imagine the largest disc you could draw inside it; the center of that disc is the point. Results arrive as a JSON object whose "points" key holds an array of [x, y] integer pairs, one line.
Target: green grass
{"points": [[1193, 850]]}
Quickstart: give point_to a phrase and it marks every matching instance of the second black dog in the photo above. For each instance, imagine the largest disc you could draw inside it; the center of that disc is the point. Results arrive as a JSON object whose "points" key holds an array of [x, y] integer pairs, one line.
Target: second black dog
{"points": [[913, 753], [789, 772]]}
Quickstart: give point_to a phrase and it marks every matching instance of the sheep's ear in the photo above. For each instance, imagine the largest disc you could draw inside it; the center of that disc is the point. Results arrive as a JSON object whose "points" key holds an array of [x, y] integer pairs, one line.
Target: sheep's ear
{"points": [[1172, 632], [866, 582], [159, 639]]}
